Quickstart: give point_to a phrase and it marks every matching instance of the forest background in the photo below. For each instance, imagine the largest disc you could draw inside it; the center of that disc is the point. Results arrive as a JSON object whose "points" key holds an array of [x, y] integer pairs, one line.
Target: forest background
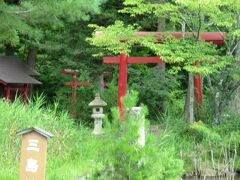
{"points": [[52, 35], [58, 41]]}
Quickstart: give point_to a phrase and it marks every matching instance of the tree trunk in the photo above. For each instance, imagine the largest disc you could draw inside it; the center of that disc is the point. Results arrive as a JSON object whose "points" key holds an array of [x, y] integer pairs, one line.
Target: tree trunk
{"points": [[217, 99], [9, 50], [189, 103], [100, 83], [217, 111], [31, 58], [161, 28], [235, 103]]}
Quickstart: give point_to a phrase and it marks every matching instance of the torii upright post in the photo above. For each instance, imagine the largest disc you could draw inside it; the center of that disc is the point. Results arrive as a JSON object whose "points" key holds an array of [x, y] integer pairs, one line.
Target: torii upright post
{"points": [[74, 83], [198, 87]]}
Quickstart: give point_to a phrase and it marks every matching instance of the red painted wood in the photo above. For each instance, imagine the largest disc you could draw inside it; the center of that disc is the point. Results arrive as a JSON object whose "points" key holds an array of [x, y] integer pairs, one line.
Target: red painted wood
{"points": [[23, 90], [74, 95], [112, 60], [198, 87], [19, 89], [215, 37], [25, 93], [153, 59], [8, 93], [87, 83], [70, 72], [122, 82], [74, 83], [123, 60], [132, 59]]}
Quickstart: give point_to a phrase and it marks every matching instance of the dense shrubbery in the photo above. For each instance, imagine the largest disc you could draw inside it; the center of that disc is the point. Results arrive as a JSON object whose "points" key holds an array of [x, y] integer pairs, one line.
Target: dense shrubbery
{"points": [[124, 158]]}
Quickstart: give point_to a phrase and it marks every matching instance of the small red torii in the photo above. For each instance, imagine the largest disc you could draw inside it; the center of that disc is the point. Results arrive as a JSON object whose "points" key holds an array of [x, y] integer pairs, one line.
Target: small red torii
{"points": [[74, 83], [123, 60]]}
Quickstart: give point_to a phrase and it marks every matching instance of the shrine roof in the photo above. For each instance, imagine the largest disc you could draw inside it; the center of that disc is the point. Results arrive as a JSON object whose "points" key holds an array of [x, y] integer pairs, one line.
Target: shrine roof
{"points": [[15, 71]]}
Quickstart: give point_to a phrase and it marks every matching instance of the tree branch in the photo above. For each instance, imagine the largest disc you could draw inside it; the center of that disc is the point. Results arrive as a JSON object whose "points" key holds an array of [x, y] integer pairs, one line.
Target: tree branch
{"points": [[21, 12]]}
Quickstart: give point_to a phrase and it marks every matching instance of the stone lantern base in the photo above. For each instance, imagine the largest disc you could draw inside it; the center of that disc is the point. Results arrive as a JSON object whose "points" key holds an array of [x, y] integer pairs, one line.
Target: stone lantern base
{"points": [[97, 126]]}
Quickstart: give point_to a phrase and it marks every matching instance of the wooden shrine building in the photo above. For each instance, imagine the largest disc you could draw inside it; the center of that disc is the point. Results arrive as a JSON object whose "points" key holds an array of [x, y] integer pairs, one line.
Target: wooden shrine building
{"points": [[16, 77]]}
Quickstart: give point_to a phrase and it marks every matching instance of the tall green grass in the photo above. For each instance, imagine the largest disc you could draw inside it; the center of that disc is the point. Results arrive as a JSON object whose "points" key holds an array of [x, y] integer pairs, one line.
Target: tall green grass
{"points": [[71, 151], [75, 152]]}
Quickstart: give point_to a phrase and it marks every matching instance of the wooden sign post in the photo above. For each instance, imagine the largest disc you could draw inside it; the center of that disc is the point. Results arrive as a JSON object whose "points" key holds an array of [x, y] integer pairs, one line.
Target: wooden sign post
{"points": [[33, 153]]}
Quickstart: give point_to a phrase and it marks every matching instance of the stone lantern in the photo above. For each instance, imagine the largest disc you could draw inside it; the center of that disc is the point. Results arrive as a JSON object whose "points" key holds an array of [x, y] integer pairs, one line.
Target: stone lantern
{"points": [[97, 104]]}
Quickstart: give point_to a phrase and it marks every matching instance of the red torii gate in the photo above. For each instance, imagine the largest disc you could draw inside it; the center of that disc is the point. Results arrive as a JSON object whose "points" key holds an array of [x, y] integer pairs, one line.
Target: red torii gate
{"points": [[123, 60], [74, 83]]}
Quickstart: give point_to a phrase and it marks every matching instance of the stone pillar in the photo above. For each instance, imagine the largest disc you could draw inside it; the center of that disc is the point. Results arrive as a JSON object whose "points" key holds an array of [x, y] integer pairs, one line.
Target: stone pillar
{"points": [[97, 126], [136, 111]]}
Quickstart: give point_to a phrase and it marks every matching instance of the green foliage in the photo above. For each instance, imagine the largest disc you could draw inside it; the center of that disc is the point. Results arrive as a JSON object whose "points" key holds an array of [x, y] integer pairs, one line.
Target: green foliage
{"points": [[27, 21], [124, 158], [186, 50], [18, 116], [201, 132], [156, 90], [116, 38], [74, 152]]}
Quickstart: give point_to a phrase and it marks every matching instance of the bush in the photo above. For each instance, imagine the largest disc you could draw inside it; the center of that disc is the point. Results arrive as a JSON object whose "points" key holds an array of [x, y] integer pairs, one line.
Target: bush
{"points": [[124, 158]]}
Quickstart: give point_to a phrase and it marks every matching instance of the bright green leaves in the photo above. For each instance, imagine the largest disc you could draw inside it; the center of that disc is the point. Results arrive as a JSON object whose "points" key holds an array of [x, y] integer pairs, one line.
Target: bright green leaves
{"points": [[137, 7], [119, 38], [116, 38], [185, 51]]}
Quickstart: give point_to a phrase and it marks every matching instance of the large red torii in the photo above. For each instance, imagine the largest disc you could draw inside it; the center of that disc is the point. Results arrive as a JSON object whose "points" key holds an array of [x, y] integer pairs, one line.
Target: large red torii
{"points": [[123, 60]]}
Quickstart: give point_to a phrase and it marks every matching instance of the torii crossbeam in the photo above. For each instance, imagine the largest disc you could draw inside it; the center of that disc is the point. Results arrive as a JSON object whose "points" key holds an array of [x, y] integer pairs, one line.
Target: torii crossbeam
{"points": [[123, 60]]}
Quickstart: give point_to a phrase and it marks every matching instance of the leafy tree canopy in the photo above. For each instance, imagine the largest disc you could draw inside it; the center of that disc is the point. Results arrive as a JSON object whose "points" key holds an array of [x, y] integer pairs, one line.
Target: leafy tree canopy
{"points": [[185, 51], [29, 20]]}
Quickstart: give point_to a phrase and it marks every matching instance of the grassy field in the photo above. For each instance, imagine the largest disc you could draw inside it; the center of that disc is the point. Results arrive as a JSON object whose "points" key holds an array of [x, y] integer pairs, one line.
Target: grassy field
{"points": [[175, 149]]}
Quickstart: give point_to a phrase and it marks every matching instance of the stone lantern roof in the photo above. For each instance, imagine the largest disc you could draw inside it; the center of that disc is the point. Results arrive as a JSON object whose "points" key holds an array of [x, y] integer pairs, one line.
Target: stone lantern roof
{"points": [[97, 102]]}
